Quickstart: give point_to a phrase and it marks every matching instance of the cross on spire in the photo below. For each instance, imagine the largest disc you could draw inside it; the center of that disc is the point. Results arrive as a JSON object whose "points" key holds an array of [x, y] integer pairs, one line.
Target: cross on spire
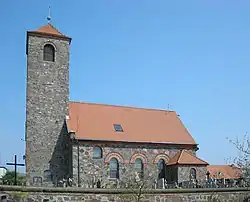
{"points": [[49, 16]]}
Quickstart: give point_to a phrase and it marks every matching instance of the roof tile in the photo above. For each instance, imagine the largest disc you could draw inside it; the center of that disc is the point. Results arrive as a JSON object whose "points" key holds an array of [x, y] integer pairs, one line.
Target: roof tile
{"points": [[96, 122], [49, 29], [224, 171], [184, 157]]}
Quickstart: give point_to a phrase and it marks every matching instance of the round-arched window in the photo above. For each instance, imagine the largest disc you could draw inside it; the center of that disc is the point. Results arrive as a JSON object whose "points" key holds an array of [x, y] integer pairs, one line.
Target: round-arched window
{"points": [[49, 53], [192, 174], [138, 164], [139, 167], [114, 168], [162, 168], [97, 153]]}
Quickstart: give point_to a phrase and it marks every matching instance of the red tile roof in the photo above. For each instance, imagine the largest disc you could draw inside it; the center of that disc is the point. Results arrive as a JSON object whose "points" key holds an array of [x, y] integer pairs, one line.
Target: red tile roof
{"points": [[224, 171], [96, 122], [184, 157], [49, 30]]}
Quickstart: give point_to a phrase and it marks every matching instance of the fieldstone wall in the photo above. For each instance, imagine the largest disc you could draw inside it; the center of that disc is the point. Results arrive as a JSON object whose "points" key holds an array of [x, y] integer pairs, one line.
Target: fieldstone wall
{"points": [[184, 173], [46, 108], [91, 170], [31, 194]]}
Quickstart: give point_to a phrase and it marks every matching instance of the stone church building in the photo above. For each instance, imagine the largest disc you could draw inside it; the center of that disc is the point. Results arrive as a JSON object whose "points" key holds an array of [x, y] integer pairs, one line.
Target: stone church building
{"points": [[95, 144]]}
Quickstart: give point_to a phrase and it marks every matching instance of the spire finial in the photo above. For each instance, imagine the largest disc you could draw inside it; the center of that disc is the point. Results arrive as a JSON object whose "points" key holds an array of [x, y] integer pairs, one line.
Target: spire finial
{"points": [[49, 17]]}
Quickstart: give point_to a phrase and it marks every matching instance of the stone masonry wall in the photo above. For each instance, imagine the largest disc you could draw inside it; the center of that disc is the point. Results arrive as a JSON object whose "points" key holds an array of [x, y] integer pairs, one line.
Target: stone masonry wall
{"points": [[31, 194], [184, 172], [46, 108], [92, 170]]}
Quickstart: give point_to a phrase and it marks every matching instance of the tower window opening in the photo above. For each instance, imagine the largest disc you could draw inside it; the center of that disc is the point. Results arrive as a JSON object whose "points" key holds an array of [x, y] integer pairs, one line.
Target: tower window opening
{"points": [[49, 53]]}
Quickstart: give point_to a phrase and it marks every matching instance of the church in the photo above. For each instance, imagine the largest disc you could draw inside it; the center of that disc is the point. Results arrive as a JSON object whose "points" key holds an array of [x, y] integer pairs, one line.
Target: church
{"points": [[95, 145]]}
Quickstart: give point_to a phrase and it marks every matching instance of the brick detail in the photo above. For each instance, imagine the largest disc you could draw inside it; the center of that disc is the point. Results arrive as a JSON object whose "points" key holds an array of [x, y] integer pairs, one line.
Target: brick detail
{"points": [[138, 155], [161, 156], [114, 155]]}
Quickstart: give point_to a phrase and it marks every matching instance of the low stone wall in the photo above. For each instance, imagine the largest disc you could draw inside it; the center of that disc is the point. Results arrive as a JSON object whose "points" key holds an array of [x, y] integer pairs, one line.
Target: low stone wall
{"points": [[37, 194]]}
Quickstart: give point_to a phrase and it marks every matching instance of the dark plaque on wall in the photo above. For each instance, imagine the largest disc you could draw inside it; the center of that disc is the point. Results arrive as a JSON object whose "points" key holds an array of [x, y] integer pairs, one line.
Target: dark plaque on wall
{"points": [[37, 181], [47, 176]]}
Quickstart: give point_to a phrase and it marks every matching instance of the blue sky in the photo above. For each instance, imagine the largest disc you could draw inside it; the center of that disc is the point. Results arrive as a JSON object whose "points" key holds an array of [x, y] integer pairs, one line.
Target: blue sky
{"points": [[191, 55]]}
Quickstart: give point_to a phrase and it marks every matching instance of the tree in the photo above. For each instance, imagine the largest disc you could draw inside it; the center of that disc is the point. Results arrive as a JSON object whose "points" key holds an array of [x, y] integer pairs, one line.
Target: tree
{"points": [[243, 158], [9, 178], [136, 185]]}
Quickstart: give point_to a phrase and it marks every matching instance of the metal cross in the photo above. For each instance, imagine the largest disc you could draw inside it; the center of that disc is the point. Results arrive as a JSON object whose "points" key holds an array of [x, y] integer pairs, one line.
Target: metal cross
{"points": [[15, 164]]}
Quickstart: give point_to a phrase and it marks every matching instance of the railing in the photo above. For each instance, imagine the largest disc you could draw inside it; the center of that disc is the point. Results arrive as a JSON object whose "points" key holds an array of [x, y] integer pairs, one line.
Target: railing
{"points": [[163, 184], [213, 183]]}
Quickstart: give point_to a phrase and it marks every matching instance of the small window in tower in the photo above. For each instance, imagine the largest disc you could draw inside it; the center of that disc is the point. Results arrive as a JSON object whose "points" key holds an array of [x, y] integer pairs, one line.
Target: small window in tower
{"points": [[118, 128], [49, 53]]}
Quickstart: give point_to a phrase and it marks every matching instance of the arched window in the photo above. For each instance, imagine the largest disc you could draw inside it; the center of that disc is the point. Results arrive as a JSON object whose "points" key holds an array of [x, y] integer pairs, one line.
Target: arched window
{"points": [[192, 174], [97, 153], [114, 168], [139, 167], [162, 169], [49, 53]]}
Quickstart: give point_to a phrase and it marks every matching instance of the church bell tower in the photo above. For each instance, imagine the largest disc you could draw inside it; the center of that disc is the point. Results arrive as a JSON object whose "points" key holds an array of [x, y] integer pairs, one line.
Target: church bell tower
{"points": [[47, 97]]}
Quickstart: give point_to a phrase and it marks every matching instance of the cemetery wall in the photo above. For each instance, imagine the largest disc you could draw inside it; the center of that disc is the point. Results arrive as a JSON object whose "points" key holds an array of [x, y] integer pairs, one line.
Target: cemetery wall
{"points": [[36, 194]]}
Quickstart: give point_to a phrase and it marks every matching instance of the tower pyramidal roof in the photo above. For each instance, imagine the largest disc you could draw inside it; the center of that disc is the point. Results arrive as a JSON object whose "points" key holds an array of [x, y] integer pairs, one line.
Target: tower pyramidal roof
{"points": [[50, 30]]}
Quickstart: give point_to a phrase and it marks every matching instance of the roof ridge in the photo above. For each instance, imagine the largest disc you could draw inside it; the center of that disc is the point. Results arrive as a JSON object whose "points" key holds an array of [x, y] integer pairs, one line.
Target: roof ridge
{"points": [[225, 165], [123, 106], [175, 158], [178, 156], [195, 156], [181, 152], [56, 29], [185, 128]]}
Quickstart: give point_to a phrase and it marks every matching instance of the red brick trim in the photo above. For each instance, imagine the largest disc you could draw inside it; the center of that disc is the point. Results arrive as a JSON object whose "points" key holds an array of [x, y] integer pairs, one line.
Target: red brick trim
{"points": [[163, 156], [138, 155], [116, 155]]}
